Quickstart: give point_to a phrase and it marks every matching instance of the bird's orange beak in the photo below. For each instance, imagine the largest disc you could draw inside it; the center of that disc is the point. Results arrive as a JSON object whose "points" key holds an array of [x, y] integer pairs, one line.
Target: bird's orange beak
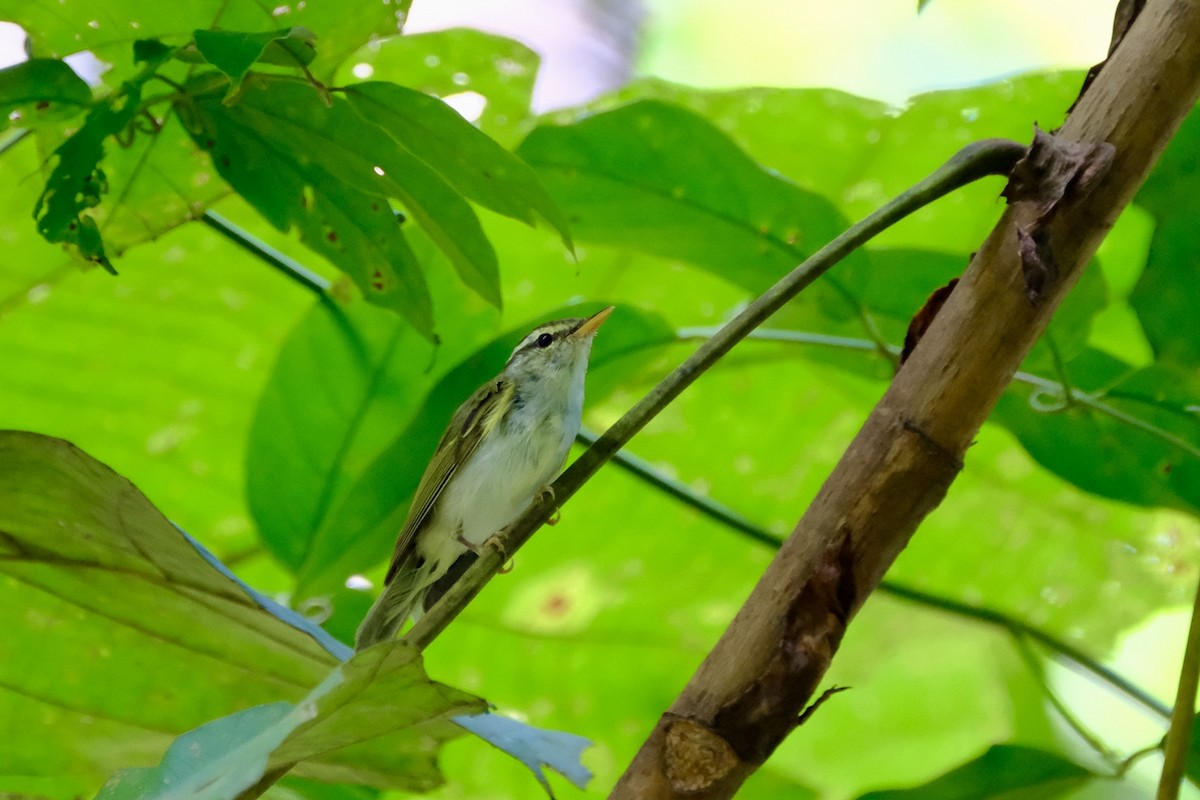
{"points": [[592, 324]]}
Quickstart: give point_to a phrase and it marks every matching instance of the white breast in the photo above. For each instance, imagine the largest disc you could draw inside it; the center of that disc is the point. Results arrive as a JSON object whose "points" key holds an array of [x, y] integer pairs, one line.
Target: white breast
{"points": [[511, 466]]}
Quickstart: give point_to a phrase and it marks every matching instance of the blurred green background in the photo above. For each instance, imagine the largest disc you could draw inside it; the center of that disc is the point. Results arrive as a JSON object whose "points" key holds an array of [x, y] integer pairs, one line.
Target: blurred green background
{"points": [[225, 393]]}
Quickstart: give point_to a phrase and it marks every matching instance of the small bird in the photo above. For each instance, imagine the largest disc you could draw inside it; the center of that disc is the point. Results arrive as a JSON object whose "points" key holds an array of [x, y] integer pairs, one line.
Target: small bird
{"points": [[503, 446]]}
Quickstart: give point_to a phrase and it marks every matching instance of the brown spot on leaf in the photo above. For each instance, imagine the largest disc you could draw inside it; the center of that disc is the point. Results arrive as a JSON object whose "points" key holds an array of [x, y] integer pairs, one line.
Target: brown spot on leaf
{"points": [[42, 105], [556, 605], [225, 161], [331, 236]]}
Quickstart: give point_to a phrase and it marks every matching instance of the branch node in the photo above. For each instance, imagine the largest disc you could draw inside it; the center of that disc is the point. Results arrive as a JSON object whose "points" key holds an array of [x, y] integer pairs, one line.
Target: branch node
{"points": [[755, 722], [1054, 171], [933, 445], [695, 757]]}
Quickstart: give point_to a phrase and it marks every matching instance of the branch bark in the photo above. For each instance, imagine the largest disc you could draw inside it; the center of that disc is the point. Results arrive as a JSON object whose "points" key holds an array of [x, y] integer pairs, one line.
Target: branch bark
{"points": [[749, 692]]}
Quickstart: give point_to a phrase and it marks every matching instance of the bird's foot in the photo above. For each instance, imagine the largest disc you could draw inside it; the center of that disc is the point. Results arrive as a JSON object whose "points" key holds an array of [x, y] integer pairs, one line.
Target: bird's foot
{"points": [[496, 542]]}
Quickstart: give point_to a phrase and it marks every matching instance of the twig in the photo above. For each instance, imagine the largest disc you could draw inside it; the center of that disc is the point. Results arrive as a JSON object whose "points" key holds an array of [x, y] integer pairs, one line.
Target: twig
{"points": [[260, 249], [975, 161], [1046, 385], [1093, 741], [1179, 736]]}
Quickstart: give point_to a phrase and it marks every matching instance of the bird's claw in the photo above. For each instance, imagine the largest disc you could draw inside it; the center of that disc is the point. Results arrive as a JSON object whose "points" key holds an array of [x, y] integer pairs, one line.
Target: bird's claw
{"points": [[496, 542], [546, 495]]}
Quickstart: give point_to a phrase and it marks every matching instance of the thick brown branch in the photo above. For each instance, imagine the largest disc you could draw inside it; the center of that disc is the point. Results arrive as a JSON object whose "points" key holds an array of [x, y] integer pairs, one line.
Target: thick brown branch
{"points": [[747, 694]]}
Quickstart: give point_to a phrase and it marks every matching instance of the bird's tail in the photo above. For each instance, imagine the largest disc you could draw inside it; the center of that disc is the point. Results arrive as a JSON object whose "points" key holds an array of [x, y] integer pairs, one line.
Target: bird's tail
{"points": [[401, 597]]}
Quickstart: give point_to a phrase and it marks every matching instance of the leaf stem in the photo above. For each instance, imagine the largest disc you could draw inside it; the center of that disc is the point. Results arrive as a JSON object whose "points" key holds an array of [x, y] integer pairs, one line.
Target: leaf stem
{"points": [[280, 261], [1179, 736], [1030, 657], [1047, 385], [1017, 628], [13, 140], [989, 157]]}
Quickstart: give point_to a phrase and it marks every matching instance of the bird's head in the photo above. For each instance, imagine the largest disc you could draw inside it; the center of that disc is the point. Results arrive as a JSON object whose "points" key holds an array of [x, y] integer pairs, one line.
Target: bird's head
{"points": [[556, 351]]}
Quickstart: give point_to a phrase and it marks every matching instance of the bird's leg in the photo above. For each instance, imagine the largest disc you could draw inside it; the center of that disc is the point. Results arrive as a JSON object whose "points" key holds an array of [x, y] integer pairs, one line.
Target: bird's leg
{"points": [[546, 495], [474, 548], [458, 537]]}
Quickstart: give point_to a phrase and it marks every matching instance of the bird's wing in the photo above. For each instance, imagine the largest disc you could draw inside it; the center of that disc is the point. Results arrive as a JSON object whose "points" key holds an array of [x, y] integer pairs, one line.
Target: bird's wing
{"points": [[473, 419]]}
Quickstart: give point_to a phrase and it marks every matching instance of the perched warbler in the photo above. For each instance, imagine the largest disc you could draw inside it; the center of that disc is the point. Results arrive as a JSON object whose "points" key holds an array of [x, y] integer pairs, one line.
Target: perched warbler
{"points": [[503, 446]]}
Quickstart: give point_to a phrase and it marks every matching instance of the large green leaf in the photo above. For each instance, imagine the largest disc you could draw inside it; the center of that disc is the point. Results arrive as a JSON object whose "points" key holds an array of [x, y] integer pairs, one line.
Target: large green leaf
{"points": [[858, 153], [1134, 440], [372, 370], [280, 148], [155, 372], [653, 177], [1004, 771], [469, 160], [81, 544], [112, 594], [380, 692], [1165, 295]]}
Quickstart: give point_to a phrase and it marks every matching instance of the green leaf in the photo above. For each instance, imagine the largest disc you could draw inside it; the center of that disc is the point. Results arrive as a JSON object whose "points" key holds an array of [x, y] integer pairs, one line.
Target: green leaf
{"points": [[83, 547], [1004, 771], [103, 27], [372, 369], [234, 53], [77, 181], [1139, 447], [331, 176], [1164, 297], [456, 61], [656, 178], [382, 692], [111, 595], [217, 760], [40, 90], [469, 160]]}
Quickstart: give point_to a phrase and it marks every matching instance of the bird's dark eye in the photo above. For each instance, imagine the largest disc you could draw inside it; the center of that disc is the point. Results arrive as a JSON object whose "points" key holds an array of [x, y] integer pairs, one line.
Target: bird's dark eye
{"points": [[545, 339]]}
